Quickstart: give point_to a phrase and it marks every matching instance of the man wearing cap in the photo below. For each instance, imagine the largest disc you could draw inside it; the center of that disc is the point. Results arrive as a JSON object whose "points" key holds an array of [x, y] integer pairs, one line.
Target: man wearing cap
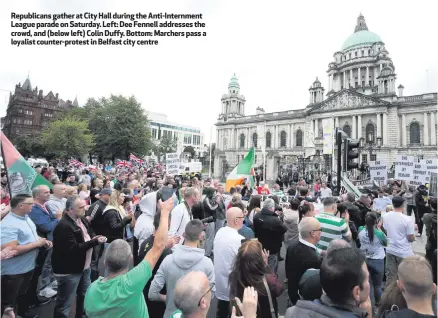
{"points": [[400, 233], [94, 216]]}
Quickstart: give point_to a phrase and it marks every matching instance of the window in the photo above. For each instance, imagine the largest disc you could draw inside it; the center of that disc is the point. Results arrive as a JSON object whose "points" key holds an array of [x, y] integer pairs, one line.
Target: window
{"points": [[355, 54], [373, 157], [268, 139], [365, 158], [299, 138], [187, 138], [370, 133], [254, 140], [362, 53], [20, 111], [27, 122], [349, 56], [283, 139], [414, 130], [154, 133], [347, 129], [28, 112], [369, 52], [242, 140]]}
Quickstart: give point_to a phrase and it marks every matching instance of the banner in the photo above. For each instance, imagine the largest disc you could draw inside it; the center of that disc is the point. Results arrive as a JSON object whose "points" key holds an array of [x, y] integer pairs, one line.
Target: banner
{"points": [[404, 168], [327, 137], [431, 167], [172, 163], [378, 171], [22, 177]]}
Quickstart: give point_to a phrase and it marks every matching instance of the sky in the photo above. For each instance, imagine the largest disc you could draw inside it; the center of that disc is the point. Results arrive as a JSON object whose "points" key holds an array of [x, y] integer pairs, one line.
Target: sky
{"points": [[276, 49]]}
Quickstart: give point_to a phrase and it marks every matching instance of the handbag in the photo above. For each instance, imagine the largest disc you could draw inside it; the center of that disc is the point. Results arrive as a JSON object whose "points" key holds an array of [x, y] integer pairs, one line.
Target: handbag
{"points": [[271, 305]]}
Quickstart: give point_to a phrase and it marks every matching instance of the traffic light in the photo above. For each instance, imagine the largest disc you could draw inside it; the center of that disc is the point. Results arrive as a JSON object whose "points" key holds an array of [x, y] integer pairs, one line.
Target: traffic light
{"points": [[350, 154]]}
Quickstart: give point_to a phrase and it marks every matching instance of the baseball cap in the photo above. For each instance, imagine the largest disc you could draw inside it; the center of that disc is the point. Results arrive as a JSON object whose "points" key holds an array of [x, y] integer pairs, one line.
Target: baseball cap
{"points": [[310, 285], [105, 191]]}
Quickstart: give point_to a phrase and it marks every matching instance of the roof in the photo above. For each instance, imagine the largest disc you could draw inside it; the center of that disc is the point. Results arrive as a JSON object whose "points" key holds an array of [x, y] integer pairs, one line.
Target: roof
{"points": [[361, 36], [26, 85], [234, 82]]}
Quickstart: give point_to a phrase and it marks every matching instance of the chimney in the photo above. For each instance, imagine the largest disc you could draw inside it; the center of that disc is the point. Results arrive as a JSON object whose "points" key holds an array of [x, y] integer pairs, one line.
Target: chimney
{"points": [[56, 96], [400, 90], [259, 111]]}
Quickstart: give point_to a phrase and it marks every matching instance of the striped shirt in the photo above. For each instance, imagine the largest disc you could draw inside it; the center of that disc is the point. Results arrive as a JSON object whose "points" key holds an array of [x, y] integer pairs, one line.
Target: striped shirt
{"points": [[332, 227]]}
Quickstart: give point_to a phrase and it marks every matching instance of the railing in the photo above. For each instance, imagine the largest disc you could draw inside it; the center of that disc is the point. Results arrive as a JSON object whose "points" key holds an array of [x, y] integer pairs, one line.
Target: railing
{"points": [[418, 98]]}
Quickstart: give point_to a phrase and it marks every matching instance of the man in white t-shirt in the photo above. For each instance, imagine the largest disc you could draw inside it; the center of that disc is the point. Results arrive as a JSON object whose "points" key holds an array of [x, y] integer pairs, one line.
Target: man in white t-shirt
{"points": [[226, 245], [325, 192], [182, 213], [400, 233]]}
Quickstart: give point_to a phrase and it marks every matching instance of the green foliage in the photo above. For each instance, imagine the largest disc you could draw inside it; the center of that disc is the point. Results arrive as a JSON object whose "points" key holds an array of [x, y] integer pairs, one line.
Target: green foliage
{"points": [[68, 137], [30, 146], [166, 145], [190, 150]]}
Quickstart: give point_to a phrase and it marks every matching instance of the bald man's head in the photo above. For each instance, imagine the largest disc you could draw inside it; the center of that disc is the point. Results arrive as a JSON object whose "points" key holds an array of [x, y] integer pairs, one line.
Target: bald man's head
{"points": [[59, 190], [235, 218], [337, 244], [307, 226], [192, 293], [415, 279]]}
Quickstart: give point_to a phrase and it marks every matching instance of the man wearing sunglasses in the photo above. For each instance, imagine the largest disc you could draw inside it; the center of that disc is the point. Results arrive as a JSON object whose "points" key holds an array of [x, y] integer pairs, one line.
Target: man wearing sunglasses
{"points": [[192, 296]]}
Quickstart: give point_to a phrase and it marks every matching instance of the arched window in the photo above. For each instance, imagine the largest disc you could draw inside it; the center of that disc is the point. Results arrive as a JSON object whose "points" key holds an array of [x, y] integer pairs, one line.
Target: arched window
{"points": [[254, 140], [283, 138], [242, 140], [299, 138], [370, 138], [347, 129], [268, 139], [414, 130]]}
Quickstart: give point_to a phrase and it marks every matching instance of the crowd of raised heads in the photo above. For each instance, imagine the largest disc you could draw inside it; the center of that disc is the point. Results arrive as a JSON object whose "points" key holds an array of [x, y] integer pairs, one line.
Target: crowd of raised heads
{"points": [[139, 243]]}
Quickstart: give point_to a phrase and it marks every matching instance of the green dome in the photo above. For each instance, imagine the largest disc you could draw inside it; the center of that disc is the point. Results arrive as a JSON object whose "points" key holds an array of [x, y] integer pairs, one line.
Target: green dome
{"points": [[360, 38], [234, 82]]}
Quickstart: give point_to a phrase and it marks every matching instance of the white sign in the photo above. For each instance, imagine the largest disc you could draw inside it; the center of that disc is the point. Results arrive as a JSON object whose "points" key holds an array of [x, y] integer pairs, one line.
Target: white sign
{"points": [[172, 163], [404, 168], [425, 169], [420, 174], [327, 136], [378, 171]]}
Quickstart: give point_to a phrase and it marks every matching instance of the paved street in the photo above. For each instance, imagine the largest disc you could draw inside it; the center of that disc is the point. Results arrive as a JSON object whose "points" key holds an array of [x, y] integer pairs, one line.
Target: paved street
{"points": [[46, 311]]}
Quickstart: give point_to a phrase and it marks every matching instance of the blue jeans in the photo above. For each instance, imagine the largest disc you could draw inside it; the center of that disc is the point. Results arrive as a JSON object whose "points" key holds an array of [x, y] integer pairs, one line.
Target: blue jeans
{"points": [[376, 268], [273, 262], [68, 286]]}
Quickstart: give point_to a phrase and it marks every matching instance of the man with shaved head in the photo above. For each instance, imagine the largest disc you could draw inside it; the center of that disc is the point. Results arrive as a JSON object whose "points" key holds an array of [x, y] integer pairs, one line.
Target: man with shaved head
{"points": [[415, 281], [57, 199], [302, 255], [192, 296], [225, 247]]}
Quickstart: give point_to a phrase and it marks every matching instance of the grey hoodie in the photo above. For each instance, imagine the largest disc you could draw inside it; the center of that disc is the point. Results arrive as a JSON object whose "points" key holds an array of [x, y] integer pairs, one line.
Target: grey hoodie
{"points": [[183, 260]]}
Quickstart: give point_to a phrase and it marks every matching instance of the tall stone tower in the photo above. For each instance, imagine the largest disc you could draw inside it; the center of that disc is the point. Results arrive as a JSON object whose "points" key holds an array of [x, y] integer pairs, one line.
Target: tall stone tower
{"points": [[233, 104]]}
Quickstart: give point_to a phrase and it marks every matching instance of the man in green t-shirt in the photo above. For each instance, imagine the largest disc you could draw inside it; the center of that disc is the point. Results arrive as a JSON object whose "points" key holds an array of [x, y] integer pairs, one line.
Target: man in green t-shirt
{"points": [[192, 296], [120, 294]]}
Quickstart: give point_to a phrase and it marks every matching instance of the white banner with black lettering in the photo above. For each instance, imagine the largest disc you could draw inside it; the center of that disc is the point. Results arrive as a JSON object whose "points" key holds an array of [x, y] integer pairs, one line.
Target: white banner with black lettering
{"points": [[378, 171], [172, 163], [404, 168], [420, 174]]}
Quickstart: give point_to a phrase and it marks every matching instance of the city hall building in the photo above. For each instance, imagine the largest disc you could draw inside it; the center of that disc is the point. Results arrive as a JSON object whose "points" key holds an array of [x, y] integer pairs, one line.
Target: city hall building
{"points": [[362, 98]]}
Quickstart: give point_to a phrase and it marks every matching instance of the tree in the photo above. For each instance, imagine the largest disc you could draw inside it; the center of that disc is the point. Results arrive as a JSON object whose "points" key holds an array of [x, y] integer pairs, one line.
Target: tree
{"points": [[190, 150], [166, 145], [120, 127], [68, 137], [30, 146]]}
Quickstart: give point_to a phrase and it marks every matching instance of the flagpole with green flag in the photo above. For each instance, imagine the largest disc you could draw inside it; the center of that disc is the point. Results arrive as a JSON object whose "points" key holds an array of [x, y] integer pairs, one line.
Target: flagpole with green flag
{"points": [[22, 178], [243, 170], [7, 176]]}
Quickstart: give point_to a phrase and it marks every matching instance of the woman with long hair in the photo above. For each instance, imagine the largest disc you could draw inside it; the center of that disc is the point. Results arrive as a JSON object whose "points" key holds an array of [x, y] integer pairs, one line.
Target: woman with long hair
{"points": [[373, 242], [250, 269], [255, 206], [97, 185], [115, 217], [83, 192], [306, 210]]}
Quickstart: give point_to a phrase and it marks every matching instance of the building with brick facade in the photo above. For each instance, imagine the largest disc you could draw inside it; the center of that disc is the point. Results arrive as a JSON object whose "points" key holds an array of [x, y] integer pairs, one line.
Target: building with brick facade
{"points": [[362, 99], [29, 110]]}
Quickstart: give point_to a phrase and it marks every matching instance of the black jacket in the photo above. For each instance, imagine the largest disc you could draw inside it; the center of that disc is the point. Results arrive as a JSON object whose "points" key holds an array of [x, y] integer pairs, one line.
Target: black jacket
{"points": [[299, 258], [355, 214], [96, 212], [363, 209], [114, 227], [269, 230], [69, 247]]}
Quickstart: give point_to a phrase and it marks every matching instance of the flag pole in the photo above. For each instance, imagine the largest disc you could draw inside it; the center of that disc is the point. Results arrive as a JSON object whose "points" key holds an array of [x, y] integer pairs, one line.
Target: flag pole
{"points": [[209, 162], [6, 168]]}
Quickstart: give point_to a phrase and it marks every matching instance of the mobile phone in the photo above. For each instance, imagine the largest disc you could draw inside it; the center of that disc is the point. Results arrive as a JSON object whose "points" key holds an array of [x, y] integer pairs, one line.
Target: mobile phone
{"points": [[166, 193]]}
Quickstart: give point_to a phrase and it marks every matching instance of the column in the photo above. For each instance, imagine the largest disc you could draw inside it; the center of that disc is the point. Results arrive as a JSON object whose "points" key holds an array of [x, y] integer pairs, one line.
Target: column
{"points": [[404, 130], [359, 80], [359, 126], [385, 129], [353, 128], [248, 138], [292, 136], [236, 139], [378, 133], [367, 76], [425, 130], [381, 66], [432, 129], [315, 129], [217, 138], [375, 75], [351, 78], [345, 80], [274, 138], [337, 122]]}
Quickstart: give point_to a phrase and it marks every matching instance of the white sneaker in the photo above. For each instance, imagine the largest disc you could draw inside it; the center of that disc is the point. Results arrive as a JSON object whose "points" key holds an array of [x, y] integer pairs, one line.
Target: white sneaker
{"points": [[48, 292]]}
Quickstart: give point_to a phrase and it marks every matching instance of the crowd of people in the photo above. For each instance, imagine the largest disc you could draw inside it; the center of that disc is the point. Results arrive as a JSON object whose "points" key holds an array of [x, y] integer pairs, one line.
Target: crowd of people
{"points": [[135, 243]]}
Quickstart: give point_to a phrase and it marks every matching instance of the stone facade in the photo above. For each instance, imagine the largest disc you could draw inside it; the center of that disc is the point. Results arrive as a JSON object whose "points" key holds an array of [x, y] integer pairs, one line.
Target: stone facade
{"points": [[361, 99], [29, 111]]}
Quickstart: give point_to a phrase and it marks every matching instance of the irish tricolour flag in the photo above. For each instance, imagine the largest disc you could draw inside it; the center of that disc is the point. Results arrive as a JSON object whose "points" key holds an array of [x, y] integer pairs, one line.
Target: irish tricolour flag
{"points": [[243, 170], [21, 176]]}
